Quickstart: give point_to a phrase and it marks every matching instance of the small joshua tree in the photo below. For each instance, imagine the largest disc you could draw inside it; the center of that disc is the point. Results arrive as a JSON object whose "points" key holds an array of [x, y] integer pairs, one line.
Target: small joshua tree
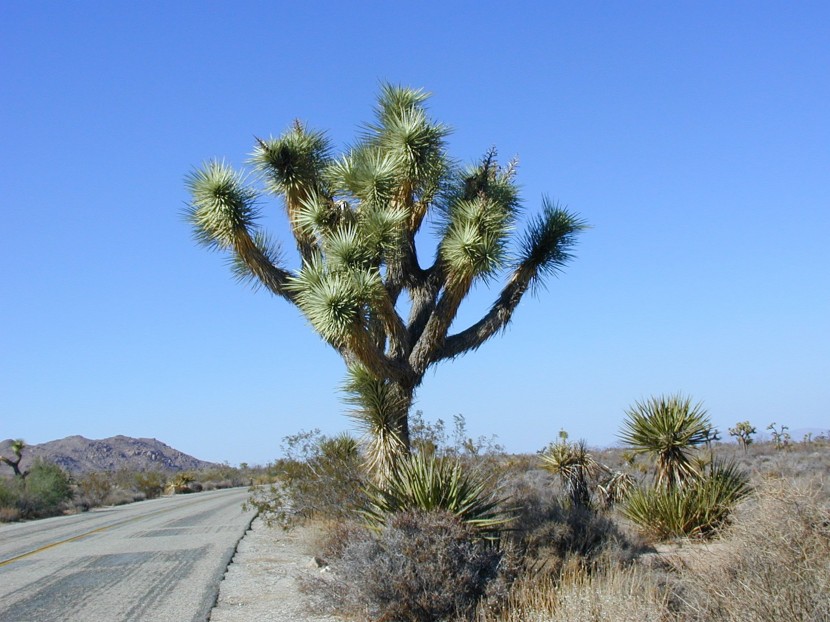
{"points": [[743, 431], [17, 448]]}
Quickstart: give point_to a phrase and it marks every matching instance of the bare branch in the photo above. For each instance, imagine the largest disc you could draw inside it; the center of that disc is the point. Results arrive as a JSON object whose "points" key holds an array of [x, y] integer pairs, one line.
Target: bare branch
{"points": [[496, 319], [271, 276]]}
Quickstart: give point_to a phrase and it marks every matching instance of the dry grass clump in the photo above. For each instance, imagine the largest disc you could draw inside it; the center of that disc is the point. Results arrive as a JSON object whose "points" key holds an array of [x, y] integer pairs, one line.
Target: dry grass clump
{"points": [[775, 564], [617, 593]]}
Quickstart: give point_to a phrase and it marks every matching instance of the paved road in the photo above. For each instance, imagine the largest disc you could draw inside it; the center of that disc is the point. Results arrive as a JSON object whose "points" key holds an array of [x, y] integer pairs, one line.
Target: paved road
{"points": [[159, 560]]}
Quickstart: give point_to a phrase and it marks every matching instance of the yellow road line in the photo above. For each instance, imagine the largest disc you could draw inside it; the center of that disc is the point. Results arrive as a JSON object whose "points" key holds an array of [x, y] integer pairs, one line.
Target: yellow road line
{"points": [[5, 562]]}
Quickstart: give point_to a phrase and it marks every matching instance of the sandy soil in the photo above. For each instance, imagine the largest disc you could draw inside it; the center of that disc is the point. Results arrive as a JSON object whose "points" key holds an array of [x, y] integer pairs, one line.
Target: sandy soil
{"points": [[262, 582]]}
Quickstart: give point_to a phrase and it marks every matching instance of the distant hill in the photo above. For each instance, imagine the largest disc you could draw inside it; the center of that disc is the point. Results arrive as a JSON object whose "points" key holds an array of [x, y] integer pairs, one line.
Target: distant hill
{"points": [[80, 455]]}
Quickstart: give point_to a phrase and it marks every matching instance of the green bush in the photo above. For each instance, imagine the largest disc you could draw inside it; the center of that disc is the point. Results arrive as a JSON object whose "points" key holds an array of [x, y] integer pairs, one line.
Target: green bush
{"points": [[43, 492], [319, 477]]}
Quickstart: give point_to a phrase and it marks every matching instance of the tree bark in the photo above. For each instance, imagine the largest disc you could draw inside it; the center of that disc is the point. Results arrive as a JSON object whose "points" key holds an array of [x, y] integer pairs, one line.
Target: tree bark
{"points": [[404, 396]]}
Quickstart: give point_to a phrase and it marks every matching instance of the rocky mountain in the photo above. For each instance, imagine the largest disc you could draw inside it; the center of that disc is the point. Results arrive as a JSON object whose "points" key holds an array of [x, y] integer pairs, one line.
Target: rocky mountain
{"points": [[77, 455]]}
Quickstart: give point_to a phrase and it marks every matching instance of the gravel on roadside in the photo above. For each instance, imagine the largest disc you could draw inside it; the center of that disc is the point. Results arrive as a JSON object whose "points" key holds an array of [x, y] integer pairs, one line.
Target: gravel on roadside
{"points": [[262, 581]]}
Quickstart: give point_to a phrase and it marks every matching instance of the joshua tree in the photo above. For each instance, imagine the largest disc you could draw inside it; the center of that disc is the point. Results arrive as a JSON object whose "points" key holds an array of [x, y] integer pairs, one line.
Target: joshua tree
{"points": [[355, 219], [743, 431], [17, 448], [780, 436], [667, 427]]}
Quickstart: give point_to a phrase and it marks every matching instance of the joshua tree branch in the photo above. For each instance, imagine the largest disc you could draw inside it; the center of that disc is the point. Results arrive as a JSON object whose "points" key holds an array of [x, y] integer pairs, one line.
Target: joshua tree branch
{"points": [[271, 276], [496, 319]]}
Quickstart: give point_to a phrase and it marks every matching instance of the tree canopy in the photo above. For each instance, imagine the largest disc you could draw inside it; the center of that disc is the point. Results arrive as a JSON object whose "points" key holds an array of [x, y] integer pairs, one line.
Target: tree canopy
{"points": [[361, 282]]}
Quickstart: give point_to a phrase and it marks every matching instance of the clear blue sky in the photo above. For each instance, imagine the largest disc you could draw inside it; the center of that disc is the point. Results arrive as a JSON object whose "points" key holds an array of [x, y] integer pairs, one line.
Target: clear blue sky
{"points": [[693, 136]]}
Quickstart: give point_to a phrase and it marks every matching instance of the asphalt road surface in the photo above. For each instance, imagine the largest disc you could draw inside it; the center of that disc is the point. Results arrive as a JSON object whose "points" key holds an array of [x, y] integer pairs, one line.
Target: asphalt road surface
{"points": [[159, 560]]}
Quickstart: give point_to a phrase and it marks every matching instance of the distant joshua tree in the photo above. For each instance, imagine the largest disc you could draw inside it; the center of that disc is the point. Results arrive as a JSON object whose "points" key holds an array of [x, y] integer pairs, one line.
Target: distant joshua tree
{"points": [[17, 448], [743, 431], [780, 436]]}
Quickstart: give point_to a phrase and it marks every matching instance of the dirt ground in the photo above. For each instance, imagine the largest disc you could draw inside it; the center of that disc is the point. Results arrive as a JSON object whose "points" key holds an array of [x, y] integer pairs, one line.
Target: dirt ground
{"points": [[263, 580]]}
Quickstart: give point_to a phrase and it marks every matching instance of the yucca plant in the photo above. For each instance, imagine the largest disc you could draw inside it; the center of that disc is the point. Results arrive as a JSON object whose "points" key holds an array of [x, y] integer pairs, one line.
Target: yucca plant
{"points": [[432, 483], [355, 219], [615, 487], [696, 509], [575, 467], [667, 428]]}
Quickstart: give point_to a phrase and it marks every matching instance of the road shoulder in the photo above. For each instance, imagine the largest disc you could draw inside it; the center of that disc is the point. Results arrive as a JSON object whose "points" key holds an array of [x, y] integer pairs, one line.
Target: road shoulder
{"points": [[262, 581]]}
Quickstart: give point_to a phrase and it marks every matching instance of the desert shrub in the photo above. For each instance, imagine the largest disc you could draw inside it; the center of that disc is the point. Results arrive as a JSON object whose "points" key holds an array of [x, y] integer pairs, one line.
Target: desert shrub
{"points": [[119, 496], [150, 484], [320, 477], [774, 565], [556, 535], [9, 514], [11, 490], [696, 509], [184, 483], [419, 567], [434, 438], [223, 476], [93, 490], [544, 518], [44, 491]]}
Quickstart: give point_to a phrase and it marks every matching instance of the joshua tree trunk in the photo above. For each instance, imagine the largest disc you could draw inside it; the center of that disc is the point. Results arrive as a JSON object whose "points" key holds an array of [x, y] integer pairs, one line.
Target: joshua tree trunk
{"points": [[404, 396]]}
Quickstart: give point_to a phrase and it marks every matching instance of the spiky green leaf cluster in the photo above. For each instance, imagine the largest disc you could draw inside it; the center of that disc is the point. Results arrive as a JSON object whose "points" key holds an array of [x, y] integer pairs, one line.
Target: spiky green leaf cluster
{"points": [[293, 163], [667, 428], [405, 133], [222, 205], [432, 483], [337, 303], [547, 243], [477, 220]]}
